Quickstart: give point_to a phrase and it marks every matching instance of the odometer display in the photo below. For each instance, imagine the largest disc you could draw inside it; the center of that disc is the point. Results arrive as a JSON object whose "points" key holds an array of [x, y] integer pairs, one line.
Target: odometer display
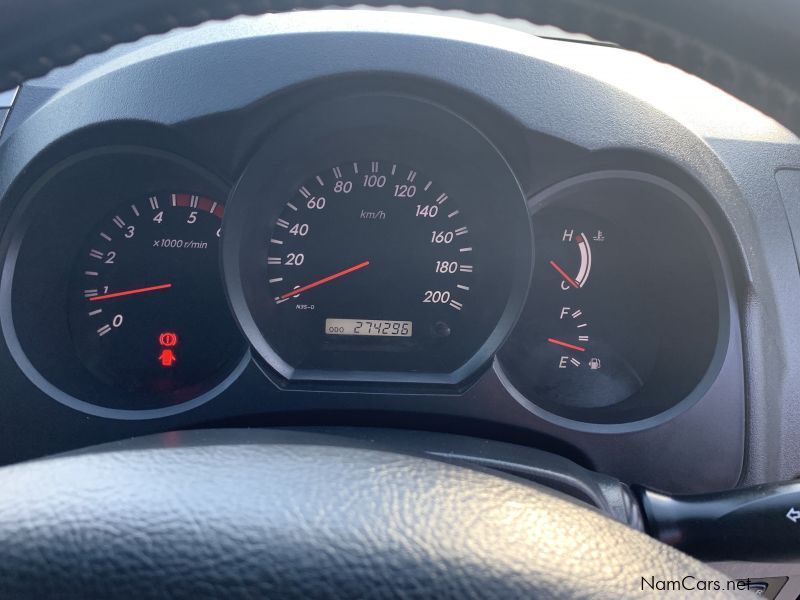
{"points": [[367, 327]]}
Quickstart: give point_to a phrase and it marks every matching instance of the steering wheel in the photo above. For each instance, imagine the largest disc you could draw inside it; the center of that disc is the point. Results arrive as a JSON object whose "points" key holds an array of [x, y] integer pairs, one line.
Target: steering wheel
{"points": [[292, 514], [746, 48]]}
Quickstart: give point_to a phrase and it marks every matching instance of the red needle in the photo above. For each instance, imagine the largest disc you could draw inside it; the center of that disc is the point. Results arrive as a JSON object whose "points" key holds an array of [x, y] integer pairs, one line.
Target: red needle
{"points": [[566, 345], [305, 288], [152, 288], [563, 273]]}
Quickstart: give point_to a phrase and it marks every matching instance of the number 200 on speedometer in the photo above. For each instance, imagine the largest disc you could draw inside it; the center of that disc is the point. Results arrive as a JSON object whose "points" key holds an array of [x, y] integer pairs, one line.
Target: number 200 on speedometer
{"points": [[379, 267]]}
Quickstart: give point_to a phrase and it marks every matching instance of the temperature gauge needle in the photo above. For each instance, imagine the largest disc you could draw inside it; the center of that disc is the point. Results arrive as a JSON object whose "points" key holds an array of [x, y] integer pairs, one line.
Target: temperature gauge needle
{"points": [[143, 290], [319, 282], [566, 345], [563, 273]]}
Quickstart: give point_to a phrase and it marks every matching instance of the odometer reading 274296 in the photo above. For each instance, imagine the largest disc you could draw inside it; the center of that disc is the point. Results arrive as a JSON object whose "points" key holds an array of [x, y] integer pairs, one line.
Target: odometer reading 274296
{"points": [[402, 259]]}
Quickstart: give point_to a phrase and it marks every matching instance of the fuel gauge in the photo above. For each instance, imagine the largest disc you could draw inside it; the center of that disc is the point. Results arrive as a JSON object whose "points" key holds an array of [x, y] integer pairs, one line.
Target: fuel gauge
{"points": [[588, 372], [621, 318], [583, 339], [570, 364], [576, 331]]}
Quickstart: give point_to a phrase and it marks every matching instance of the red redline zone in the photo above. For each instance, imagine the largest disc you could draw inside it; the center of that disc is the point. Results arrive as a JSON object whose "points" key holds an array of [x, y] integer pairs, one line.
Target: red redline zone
{"points": [[203, 203]]}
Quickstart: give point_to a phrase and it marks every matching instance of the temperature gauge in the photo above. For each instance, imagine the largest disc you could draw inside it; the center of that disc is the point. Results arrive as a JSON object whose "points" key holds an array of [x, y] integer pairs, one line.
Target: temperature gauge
{"points": [[622, 317], [579, 242], [572, 342]]}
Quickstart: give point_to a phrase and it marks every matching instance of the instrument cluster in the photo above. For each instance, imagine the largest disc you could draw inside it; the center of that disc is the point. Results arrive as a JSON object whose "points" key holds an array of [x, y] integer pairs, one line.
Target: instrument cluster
{"points": [[377, 242]]}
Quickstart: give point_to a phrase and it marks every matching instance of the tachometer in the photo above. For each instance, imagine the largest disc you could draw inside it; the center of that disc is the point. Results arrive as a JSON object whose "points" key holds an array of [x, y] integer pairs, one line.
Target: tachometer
{"points": [[113, 302], [406, 259], [147, 311]]}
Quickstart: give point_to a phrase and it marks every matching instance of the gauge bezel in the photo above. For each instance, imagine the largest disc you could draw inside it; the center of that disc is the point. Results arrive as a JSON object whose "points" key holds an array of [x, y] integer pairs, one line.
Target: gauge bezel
{"points": [[81, 391], [361, 127], [721, 276]]}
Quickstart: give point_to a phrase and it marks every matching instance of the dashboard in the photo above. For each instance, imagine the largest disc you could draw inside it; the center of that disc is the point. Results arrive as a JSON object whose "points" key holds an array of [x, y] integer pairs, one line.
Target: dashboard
{"points": [[429, 223]]}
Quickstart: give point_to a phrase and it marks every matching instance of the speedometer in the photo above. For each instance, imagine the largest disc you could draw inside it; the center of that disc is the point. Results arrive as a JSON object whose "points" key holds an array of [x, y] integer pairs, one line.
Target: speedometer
{"points": [[398, 225], [405, 260]]}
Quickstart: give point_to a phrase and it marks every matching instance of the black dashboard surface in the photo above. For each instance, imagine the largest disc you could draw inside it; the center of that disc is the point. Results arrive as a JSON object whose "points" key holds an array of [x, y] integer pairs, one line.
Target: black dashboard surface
{"points": [[429, 223]]}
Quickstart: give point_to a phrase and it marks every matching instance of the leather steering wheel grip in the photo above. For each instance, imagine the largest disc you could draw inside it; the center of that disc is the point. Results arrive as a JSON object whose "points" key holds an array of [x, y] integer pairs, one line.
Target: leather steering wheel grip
{"points": [[747, 48], [278, 514]]}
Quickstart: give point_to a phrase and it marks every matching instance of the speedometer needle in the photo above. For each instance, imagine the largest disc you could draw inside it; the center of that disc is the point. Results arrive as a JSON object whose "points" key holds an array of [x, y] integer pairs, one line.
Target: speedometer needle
{"points": [[319, 282], [152, 288]]}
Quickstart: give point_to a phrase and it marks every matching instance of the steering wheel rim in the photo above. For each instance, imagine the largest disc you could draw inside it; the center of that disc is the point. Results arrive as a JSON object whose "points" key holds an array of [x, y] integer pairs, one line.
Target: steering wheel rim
{"points": [[289, 514], [703, 37]]}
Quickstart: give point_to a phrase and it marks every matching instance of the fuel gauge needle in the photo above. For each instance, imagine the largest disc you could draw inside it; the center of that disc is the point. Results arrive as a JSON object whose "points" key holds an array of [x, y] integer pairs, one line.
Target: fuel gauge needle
{"points": [[566, 345], [319, 282]]}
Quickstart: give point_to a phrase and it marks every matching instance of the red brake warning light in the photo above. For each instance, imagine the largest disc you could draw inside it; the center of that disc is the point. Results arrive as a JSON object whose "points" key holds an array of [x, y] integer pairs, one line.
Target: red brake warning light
{"points": [[167, 340]]}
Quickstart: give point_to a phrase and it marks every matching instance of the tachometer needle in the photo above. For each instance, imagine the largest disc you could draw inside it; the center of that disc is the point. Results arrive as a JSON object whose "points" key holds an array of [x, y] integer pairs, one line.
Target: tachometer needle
{"points": [[563, 273], [566, 345], [143, 290], [319, 282]]}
